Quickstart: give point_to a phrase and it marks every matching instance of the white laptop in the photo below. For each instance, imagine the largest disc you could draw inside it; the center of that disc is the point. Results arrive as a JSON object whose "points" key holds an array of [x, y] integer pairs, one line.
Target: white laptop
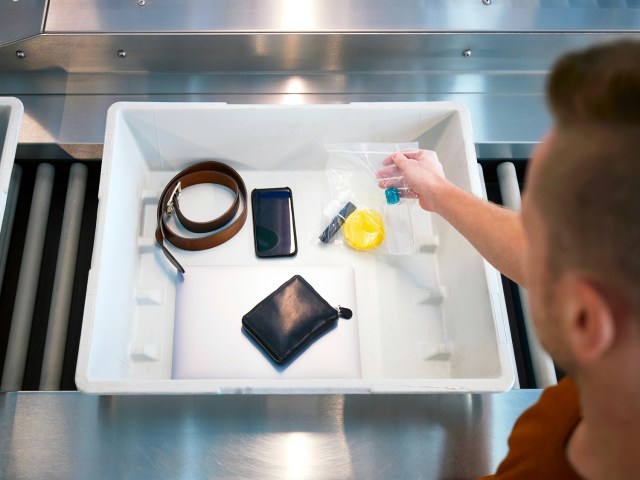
{"points": [[209, 342]]}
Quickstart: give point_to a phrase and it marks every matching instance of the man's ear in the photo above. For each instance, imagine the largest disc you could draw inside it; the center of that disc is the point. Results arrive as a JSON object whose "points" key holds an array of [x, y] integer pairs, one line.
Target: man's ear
{"points": [[588, 317]]}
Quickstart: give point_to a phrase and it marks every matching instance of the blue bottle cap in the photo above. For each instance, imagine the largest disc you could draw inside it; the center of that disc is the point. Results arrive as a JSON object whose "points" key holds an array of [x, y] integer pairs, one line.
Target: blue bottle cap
{"points": [[392, 194]]}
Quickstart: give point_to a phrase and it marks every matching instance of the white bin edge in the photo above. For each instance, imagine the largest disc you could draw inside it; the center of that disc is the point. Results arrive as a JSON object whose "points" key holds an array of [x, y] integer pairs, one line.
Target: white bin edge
{"points": [[7, 156], [497, 301]]}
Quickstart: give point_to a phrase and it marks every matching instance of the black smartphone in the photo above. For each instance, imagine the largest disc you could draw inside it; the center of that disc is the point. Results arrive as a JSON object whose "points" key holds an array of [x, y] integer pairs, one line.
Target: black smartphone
{"points": [[274, 226]]}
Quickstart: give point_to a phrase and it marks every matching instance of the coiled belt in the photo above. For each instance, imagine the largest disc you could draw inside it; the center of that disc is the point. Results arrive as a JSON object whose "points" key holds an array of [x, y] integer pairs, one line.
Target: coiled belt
{"points": [[205, 172]]}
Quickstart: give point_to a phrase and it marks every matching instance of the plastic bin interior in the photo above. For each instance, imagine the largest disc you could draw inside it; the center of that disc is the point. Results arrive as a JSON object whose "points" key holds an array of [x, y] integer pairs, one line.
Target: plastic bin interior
{"points": [[11, 110], [434, 321]]}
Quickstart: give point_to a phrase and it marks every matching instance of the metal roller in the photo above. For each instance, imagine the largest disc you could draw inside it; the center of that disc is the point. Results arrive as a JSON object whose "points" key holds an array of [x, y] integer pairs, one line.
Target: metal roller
{"points": [[543, 368], [483, 184], [63, 282], [21, 320]]}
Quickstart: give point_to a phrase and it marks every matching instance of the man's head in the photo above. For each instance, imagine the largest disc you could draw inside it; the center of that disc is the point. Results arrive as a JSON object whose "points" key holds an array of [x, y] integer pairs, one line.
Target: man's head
{"points": [[581, 209]]}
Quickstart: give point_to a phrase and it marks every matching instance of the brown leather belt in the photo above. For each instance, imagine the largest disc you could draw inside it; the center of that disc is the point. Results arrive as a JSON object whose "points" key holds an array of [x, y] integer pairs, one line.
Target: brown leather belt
{"points": [[205, 172]]}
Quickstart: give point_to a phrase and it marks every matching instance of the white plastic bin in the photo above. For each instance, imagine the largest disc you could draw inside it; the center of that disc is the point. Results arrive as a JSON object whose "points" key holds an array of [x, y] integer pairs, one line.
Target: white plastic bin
{"points": [[11, 110], [409, 340]]}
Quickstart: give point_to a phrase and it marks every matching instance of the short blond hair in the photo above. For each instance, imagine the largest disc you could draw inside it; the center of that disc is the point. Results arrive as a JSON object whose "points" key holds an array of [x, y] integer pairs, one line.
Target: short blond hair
{"points": [[589, 184], [598, 85]]}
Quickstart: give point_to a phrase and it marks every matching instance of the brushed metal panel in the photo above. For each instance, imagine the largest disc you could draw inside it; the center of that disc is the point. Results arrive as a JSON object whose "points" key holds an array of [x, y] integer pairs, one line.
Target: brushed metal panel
{"points": [[132, 83], [126, 16], [72, 435], [406, 52], [21, 19]]}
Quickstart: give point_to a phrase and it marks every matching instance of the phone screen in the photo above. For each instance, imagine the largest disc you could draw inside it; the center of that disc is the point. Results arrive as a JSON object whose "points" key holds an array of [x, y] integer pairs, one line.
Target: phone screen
{"points": [[274, 228]]}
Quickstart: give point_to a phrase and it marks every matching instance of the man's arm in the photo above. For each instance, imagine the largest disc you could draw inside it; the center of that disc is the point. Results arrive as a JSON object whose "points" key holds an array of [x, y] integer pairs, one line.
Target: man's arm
{"points": [[494, 231]]}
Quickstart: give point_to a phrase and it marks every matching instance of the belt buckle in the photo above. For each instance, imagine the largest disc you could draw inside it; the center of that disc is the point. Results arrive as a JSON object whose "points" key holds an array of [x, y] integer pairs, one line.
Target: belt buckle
{"points": [[174, 196]]}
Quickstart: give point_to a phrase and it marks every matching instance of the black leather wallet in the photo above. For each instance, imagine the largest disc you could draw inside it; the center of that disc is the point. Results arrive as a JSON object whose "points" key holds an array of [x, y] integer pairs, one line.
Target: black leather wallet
{"points": [[291, 318]]}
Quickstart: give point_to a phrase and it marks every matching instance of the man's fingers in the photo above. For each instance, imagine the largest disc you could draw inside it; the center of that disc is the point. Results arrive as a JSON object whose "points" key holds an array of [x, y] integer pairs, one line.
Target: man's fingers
{"points": [[395, 158], [400, 184], [410, 152], [407, 154], [389, 177], [407, 193], [414, 154], [419, 154], [389, 172]]}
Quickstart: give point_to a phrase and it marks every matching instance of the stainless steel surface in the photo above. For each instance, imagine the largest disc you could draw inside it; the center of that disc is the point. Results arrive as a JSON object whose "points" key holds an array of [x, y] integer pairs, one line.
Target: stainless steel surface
{"points": [[21, 19], [71, 435], [339, 15], [543, 368], [235, 83], [409, 53], [93, 54], [67, 82]]}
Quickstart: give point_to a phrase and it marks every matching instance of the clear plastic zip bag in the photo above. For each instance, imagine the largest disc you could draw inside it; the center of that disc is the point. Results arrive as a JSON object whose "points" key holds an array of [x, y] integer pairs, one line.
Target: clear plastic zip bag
{"points": [[359, 211]]}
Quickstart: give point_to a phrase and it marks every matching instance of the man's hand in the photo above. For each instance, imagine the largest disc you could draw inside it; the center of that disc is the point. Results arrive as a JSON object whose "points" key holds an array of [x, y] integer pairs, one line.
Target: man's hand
{"points": [[416, 174], [496, 233]]}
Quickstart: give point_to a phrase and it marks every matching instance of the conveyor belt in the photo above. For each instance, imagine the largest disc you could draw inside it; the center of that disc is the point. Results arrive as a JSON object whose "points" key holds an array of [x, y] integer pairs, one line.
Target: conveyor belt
{"points": [[527, 378], [40, 318]]}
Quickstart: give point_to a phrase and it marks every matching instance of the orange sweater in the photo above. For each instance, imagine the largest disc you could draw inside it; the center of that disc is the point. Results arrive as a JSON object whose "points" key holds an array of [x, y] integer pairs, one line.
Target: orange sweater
{"points": [[537, 445]]}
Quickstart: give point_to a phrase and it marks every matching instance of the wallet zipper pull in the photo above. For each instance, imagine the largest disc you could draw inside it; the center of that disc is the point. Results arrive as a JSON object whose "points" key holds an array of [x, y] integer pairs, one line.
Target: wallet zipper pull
{"points": [[344, 312]]}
